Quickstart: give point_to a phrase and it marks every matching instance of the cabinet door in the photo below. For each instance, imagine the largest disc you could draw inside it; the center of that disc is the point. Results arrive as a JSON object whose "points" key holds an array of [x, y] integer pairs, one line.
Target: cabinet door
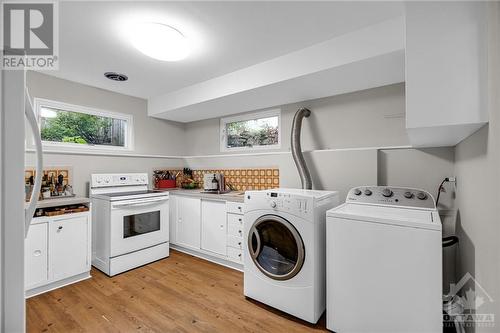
{"points": [[172, 215], [213, 226], [36, 256], [188, 222], [68, 240]]}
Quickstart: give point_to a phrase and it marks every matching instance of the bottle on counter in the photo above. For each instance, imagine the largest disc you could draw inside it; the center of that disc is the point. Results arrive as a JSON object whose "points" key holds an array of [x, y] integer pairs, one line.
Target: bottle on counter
{"points": [[215, 184]]}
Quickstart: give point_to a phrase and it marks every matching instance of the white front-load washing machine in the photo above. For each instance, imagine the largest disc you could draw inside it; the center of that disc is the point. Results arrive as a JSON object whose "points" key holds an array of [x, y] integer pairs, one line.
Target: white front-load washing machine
{"points": [[284, 252], [384, 260]]}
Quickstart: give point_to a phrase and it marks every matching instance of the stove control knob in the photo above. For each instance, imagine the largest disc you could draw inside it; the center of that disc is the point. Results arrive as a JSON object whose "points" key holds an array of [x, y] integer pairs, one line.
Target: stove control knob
{"points": [[386, 192], [421, 195], [368, 192], [408, 195], [99, 180], [273, 204], [357, 191]]}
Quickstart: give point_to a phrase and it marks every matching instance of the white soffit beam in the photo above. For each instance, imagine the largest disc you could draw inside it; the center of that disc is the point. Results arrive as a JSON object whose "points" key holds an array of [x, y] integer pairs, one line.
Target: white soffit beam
{"points": [[366, 58]]}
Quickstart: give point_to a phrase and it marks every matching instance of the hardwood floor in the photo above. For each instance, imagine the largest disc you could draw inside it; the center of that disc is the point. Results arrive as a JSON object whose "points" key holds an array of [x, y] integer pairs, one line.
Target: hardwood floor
{"points": [[178, 294]]}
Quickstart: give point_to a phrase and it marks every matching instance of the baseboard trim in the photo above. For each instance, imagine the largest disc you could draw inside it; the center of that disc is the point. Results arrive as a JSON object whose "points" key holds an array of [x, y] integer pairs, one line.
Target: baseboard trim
{"points": [[57, 284], [208, 257]]}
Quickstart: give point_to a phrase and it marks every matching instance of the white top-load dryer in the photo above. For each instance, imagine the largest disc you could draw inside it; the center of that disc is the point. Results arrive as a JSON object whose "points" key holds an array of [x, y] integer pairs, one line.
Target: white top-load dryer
{"points": [[384, 262], [284, 238]]}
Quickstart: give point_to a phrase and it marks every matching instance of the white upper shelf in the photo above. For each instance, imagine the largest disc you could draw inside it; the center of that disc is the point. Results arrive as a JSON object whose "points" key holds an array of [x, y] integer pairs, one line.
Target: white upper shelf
{"points": [[370, 57]]}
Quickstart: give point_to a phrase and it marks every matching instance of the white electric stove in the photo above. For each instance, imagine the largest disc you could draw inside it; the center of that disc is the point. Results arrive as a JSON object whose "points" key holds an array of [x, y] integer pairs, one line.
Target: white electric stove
{"points": [[129, 222]]}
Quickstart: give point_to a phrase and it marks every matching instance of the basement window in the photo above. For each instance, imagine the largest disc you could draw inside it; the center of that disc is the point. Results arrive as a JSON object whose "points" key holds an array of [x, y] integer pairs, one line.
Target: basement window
{"points": [[76, 127], [254, 131]]}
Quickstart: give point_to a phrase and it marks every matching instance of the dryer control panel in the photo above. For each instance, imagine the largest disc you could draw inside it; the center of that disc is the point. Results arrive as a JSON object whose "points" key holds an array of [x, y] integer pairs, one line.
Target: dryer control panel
{"points": [[391, 196], [279, 202], [288, 202]]}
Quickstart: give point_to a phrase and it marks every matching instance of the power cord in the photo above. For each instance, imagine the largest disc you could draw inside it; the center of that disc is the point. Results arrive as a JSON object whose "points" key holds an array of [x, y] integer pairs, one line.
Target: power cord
{"points": [[440, 188]]}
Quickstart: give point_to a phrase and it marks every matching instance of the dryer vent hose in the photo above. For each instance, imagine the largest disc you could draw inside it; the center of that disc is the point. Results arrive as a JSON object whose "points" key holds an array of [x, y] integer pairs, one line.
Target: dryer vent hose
{"points": [[298, 157]]}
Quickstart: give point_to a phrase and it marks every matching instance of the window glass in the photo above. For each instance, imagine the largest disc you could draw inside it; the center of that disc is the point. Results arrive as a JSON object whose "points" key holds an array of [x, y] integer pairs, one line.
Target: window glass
{"points": [[253, 131], [83, 129]]}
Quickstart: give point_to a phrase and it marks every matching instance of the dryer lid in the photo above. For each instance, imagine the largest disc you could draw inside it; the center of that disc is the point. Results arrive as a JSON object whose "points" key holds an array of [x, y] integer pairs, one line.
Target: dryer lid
{"points": [[405, 217]]}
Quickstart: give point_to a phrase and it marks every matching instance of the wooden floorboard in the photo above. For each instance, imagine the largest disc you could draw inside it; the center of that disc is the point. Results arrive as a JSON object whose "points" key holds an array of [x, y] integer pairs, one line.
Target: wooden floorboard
{"points": [[181, 293]]}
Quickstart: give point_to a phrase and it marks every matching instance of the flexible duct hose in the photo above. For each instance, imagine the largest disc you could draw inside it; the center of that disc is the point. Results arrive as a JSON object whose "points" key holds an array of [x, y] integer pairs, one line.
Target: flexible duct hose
{"points": [[298, 158]]}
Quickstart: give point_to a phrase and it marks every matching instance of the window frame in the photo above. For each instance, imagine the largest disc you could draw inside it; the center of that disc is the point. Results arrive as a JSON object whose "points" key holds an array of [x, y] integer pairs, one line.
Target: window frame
{"points": [[38, 103], [245, 117]]}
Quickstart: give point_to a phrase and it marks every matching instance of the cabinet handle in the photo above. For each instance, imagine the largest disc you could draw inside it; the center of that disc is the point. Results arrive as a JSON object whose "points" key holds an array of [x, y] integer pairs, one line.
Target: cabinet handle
{"points": [[59, 227], [239, 255], [239, 220], [239, 231], [239, 243], [37, 253], [239, 207]]}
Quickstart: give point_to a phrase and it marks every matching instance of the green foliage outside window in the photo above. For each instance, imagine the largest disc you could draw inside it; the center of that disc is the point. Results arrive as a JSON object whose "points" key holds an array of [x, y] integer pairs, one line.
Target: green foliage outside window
{"points": [[249, 133], [81, 128]]}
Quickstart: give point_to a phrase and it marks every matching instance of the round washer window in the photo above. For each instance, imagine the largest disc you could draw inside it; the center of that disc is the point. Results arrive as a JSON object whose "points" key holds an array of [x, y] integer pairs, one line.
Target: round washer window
{"points": [[276, 247]]}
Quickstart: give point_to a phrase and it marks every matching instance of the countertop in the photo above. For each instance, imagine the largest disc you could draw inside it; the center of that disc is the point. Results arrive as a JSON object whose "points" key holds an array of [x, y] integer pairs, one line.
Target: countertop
{"points": [[60, 202], [233, 196]]}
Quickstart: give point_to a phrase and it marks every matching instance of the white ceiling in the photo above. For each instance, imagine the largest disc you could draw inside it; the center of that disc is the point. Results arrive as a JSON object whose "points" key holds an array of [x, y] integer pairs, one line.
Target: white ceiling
{"points": [[227, 36]]}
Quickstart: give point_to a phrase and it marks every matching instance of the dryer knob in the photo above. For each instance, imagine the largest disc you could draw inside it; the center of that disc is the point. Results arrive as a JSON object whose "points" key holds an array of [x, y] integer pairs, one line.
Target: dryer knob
{"points": [[421, 195], [273, 204], [368, 192], [357, 191], [386, 192], [408, 195]]}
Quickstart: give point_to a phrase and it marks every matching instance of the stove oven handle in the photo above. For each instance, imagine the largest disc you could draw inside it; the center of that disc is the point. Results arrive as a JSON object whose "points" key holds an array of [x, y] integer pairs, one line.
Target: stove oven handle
{"points": [[139, 204]]}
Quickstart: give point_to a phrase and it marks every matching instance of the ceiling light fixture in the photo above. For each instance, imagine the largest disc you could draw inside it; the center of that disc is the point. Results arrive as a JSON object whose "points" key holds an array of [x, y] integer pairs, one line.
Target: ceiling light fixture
{"points": [[159, 41]]}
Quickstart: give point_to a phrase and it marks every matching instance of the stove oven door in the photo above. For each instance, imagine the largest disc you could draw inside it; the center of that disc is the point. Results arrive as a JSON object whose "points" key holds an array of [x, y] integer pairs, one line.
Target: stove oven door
{"points": [[137, 224]]}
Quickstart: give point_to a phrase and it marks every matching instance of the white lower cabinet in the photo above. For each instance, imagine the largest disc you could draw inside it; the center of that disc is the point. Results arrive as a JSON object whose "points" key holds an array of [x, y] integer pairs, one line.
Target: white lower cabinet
{"points": [[213, 226], [68, 246], [208, 228], [36, 259], [188, 222], [57, 252]]}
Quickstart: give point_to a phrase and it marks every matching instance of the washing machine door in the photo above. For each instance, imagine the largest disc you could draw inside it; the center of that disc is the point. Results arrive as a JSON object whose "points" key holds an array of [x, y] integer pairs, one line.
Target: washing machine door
{"points": [[276, 247]]}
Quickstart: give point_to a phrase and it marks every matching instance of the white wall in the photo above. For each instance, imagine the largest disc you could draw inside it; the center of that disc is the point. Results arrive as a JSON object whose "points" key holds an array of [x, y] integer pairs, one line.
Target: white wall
{"points": [[152, 136], [12, 230], [477, 165], [369, 118]]}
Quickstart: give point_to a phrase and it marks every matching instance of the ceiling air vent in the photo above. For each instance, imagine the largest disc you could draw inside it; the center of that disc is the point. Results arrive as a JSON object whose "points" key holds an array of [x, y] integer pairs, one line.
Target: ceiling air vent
{"points": [[116, 76]]}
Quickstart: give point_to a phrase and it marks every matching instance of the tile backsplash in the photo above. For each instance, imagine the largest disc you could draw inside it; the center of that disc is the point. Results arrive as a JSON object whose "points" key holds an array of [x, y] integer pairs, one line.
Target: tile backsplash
{"points": [[242, 179], [50, 171]]}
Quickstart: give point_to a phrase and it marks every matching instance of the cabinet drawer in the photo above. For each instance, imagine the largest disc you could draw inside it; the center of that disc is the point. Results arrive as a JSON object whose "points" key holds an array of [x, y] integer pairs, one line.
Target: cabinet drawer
{"points": [[235, 219], [236, 242], [234, 229], [235, 255], [234, 207]]}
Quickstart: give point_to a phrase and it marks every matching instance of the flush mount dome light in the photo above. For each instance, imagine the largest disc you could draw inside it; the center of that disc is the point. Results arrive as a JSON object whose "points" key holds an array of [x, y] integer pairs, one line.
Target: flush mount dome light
{"points": [[159, 41]]}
